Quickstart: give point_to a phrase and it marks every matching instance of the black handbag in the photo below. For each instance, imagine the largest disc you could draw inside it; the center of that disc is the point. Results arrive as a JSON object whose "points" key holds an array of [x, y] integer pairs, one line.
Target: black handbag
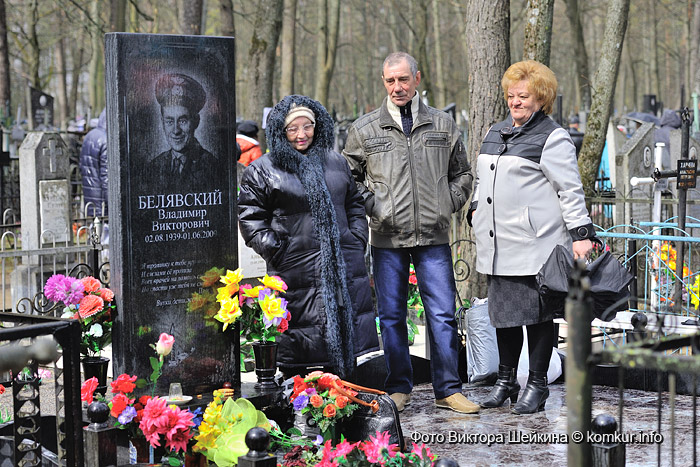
{"points": [[377, 413], [608, 278]]}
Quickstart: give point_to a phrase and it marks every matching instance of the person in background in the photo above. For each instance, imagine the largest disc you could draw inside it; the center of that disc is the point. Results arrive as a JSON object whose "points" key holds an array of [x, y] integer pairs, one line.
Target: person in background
{"points": [[93, 168], [528, 198], [412, 170], [247, 139], [300, 210]]}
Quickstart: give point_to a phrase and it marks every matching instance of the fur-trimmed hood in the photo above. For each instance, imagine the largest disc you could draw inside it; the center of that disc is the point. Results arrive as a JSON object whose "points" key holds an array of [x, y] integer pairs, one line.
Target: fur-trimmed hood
{"points": [[281, 150]]}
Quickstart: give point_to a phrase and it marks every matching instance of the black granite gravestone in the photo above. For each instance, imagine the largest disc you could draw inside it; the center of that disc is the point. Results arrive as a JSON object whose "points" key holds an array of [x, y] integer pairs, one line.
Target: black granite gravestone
{"points": [[170, 221], [41, 110]]}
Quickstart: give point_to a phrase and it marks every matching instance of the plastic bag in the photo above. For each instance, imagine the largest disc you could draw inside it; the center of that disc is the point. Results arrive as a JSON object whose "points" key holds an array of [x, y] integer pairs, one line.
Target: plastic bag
{"points": [[482, 348], [553, 372]]}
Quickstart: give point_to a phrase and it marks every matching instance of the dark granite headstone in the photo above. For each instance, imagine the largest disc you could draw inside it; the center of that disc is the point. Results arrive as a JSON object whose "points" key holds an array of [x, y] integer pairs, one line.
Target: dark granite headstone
{"points": [[168, 95], [42, 110]]}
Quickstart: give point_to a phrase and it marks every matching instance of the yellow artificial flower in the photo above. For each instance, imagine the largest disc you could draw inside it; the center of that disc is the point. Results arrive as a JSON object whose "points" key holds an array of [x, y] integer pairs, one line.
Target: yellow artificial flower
{"points": [[232, 277], [229, 311], [274, 283], [272, 307], [253, 292], [224, 293]]}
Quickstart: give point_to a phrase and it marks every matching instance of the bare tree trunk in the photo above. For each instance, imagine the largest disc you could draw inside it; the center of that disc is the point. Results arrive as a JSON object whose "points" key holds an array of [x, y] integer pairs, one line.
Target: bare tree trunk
{"points": [[267, 24], [488, 56], [75, 78], [603, 92], [582, 81], [4, 64], [191, 17], [440, 91], [117, 15], [420, 37], [695, 50], [97, 69], [34, 55], [654, 82], [62, 96], [227, 23], [289, 24], [538, 30], [328, 27]]}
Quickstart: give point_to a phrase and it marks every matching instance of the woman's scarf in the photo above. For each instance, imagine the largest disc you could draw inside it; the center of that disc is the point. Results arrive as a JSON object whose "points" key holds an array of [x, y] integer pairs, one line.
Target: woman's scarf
{"points": [[310, 170]]}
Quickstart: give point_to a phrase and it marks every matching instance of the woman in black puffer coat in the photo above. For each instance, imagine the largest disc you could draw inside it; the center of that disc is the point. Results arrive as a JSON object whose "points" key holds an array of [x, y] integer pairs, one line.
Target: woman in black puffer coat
{"points": [[300, 210]]}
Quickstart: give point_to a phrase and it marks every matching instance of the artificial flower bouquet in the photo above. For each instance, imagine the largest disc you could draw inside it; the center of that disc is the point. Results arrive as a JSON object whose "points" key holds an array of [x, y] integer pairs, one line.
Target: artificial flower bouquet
{"points": [[375, 451], [87, 301], [316, 396], [221, 434], [260, 310]]}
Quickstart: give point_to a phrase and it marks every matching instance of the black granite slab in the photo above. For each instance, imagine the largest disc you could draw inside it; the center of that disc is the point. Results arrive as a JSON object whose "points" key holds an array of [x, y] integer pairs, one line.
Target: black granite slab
{"points": [[168, 228]]}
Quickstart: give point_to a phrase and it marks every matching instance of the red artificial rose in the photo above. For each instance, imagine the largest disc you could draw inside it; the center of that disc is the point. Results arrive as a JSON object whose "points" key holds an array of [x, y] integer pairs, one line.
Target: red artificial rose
{"points": [[2, 389], [316, 400], [124, 384], [143, 400], [283, 326], [329, 411], [119, 403], [341, 401], [412, 279], [87, 389], [326, 381], [299, 387]]}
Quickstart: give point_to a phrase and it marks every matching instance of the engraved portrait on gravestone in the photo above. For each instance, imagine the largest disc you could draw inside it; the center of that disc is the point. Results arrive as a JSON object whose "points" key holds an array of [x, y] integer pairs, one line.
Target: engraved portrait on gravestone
{"points": [[186, 164]]}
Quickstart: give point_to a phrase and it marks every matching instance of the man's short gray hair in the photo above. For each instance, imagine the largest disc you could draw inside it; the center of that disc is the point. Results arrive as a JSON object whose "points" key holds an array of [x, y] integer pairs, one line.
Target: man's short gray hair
{"points": [[397, 57]]}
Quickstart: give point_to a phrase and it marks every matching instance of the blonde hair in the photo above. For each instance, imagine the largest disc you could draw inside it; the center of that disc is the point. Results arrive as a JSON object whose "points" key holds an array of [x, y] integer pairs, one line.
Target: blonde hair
{"points": [[541, 82]]}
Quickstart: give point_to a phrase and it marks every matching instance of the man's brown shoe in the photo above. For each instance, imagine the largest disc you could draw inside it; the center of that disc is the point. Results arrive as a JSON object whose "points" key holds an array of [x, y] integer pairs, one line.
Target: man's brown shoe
{"points": [[458, 403], [401, 400]]}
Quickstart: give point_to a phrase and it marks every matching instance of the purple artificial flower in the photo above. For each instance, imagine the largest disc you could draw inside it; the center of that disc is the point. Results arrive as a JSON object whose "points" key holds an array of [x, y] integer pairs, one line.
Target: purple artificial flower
{"points": [[301, 401], [76, 293], [127, 415], [58, 287]]}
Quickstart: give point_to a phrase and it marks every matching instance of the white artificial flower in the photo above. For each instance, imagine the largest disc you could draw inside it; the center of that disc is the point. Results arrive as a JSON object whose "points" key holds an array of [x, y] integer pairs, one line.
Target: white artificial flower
{"points": [[95, 330]]}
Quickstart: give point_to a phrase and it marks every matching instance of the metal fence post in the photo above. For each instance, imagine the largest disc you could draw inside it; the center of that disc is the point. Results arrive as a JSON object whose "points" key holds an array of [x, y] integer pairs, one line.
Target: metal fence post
{"points": [[579, 313]]}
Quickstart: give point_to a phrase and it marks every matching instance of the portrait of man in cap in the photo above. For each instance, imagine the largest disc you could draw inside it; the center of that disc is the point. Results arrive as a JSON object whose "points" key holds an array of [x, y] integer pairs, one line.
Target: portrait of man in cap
{"points": [[186, 165]]}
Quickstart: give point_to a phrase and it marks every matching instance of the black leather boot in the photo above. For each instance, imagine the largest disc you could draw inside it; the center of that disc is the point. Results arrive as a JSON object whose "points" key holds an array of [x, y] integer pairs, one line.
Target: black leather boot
{"points": [[506, 386], [534, 395]]}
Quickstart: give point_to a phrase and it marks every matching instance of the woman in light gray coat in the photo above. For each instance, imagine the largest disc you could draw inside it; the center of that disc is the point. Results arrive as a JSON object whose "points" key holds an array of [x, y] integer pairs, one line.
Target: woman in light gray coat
{"points": [[528, 198]]}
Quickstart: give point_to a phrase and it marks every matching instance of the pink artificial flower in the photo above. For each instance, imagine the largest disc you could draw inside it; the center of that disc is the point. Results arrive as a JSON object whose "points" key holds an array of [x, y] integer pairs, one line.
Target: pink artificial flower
{"points": [[106, 294], [90, 284], [155, 415], [75, 294], [90, 305], [151, 434], [374, 446], [177, 440], [327, 459], [165, 344], [60, 288], [88, 389], [344, 448], [418, 450]]}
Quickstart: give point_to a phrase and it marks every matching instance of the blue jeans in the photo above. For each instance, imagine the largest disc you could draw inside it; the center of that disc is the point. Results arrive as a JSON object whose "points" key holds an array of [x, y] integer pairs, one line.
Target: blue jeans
{"points": [[433, 266]]}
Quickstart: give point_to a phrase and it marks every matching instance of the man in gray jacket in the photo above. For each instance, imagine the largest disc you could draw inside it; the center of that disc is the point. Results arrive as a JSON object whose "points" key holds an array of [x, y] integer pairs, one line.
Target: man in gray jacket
{"points": [[413, 172]]}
